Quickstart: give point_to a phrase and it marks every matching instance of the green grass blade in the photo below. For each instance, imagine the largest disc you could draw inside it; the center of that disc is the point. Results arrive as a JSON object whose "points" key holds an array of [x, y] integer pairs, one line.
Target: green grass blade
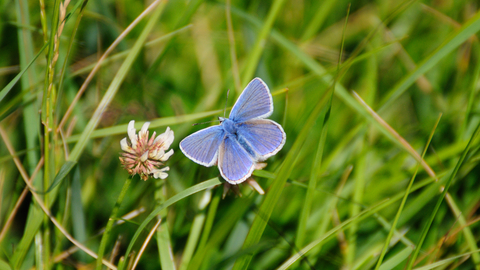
{"points": [[317, 162], [221, 231], [467, 232], [271, 199], [164, 242], [64, 171], [30, 122], [111, 221], [109, 94], [340, 91], [34, 220], [12, 83], [446, 262], [256, 52], [473, 86], [159, 122], [404, 200], [426, 227], [468, 29], [69, 50], [192, 241], [344, 225], [324, 7], [186, 17], [123, 54], [79, 224], [4, 265], [396, 260], [192, 190]]}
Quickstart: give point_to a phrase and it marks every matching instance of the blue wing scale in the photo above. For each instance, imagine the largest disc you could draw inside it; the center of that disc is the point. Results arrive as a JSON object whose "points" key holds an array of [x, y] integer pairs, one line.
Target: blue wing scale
{"points": [[234, 163], [254, 102], [202, 146], [240, 141], [263, 136]]}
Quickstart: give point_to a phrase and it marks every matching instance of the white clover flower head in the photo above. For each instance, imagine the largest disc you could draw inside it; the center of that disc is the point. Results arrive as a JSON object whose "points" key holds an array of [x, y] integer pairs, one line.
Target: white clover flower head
{"points": [[145, 156]]}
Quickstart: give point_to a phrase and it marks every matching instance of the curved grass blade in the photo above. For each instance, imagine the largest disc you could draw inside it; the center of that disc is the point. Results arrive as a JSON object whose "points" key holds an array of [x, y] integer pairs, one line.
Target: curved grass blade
{"points": [[344, 225], [111, 91], [271, 199], [189, 191], [183, 21], [159, 122], [404, 200], [467, 232], [397, 259], [12, 83], [317, 163], [445, 262], [256, 52], [458, 37], [123, 54], [220, 232], [426, 228], [111, 221], [340, 90], [4, 265]]}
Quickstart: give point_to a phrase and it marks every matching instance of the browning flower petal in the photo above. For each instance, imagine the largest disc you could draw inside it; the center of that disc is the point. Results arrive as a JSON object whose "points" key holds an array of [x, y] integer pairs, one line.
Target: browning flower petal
{"points": [[144, 156]]}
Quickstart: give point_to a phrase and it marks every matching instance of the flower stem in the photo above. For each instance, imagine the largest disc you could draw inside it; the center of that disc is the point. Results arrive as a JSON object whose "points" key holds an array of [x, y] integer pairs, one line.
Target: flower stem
{"points": [[163, 236], [112, 219]]}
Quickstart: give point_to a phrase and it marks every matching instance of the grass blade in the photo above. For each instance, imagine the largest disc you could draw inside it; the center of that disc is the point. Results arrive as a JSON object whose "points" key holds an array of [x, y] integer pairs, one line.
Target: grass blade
{"points": [[12, 83], [271, 199], [192, 190], [402, 204], [111, 91], [426, 228], [458, 37]]}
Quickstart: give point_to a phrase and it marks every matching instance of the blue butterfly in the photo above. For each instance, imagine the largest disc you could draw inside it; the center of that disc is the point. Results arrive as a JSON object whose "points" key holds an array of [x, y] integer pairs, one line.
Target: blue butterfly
{"points": [[241, 140]]}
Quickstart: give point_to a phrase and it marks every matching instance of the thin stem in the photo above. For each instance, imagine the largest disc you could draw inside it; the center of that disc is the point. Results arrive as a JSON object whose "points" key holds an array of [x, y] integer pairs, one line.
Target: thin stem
{"points": [[47, 212], [111, 221], [404, 200], [233, 54], [104, 56], [22, 196], [142, 249]]}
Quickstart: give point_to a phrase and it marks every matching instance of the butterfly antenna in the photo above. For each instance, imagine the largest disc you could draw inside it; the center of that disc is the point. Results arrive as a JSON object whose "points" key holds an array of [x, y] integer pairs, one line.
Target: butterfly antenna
{"points": [[226, 101], [204, 122]]}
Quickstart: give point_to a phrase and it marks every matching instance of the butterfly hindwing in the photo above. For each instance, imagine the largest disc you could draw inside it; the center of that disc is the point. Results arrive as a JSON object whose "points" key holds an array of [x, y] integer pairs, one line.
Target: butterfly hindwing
{"points": [[264, 136], [240, 141], [202, 146], [254, 102], [234, 163]]}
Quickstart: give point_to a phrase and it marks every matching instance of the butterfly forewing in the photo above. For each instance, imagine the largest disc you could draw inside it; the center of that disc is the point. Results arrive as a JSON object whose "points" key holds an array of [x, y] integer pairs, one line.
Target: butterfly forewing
{"points": [[202, 146], [241, 140], [234, 162], [254, 102], [264, 136]]}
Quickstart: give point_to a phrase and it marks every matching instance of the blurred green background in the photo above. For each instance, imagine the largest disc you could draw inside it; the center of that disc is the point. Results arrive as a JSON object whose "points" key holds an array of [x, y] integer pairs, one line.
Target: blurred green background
{"points": [[332, 193]]}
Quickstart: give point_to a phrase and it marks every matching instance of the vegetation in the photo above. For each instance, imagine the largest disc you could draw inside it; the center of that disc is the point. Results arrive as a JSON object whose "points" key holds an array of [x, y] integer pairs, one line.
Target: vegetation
{"points": [[379, 101]]}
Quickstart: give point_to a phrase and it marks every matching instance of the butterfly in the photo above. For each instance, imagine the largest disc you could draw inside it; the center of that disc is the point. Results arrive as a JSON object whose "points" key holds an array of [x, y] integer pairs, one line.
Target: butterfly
{"points": [[241, 140]]}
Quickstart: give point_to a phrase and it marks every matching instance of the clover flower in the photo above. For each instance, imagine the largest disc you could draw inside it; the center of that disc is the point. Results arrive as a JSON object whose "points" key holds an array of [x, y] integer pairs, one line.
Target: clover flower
{"points": [[145, 156]]}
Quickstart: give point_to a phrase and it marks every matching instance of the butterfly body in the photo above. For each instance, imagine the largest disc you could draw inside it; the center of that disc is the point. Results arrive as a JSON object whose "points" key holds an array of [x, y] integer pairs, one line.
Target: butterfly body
{"points": [[228, 125], [241, 140]]}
